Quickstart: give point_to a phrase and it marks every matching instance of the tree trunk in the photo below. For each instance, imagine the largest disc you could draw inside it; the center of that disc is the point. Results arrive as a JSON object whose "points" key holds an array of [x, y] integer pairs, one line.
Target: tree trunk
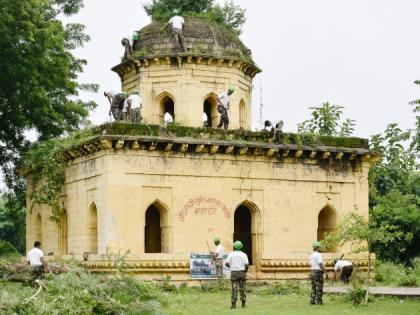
{"points": [[368, 279]]}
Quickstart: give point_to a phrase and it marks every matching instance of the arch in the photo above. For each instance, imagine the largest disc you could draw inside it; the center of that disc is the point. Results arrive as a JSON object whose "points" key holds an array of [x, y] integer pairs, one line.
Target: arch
{"points": [[327, 222], [64, 233], [210, 110], [165, 104], [156, 228], [247, 229], [93, 229], [242, 114], [38, 228]]}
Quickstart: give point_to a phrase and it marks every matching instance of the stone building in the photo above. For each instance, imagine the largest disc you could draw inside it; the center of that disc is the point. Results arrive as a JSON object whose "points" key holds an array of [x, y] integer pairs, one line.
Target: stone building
{"points": [[163, 192]]}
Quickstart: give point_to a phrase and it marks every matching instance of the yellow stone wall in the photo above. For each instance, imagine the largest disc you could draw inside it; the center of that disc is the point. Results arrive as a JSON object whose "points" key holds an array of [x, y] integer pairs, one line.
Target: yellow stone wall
{"points": [[197, 195], [189, 84]]}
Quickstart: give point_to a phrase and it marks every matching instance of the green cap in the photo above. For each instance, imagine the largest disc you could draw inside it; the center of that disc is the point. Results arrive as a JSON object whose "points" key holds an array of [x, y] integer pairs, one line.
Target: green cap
{"points": [[135, 36], [316, 244], [335, 260], [238, 245], [231, 88], [175, 11], [216, 239]]}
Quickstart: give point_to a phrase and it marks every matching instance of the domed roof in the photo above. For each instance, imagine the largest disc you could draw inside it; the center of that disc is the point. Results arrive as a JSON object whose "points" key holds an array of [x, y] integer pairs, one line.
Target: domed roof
{"points": [[202, 37]]}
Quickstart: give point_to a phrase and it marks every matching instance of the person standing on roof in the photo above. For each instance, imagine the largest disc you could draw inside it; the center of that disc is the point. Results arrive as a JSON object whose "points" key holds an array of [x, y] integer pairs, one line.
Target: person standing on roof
{"points": [[132, 107], [223, 103], [177, 24]]}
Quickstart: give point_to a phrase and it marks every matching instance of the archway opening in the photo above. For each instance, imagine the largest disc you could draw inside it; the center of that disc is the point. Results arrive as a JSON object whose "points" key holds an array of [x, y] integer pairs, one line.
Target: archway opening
{"points": [[327, 223], [152, 231], [242, 230], [167, 109], [38, 228], [93, 230], [210, 112], [64, 233], [242, 114]]}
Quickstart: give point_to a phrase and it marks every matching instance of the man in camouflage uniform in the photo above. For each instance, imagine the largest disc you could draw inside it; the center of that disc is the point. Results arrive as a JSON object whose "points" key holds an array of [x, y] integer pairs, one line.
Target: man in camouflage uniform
{"points": [[223, 103], [317, 274], [217, 257], [238, 263], [116, 102]]}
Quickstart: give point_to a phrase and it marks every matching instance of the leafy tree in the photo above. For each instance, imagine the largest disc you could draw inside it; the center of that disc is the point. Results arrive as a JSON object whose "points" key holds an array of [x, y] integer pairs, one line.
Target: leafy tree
{"points": [[38, 86], [229, 15], [326, 120]]}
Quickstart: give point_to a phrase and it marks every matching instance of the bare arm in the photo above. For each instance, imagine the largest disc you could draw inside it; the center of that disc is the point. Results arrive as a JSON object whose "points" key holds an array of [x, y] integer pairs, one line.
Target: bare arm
{"points": [[321, 265], [45, 264]]}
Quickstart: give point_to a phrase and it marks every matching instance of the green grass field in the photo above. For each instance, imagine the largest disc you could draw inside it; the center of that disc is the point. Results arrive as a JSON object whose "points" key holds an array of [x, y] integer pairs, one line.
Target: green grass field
{"points": [[197, 303]]}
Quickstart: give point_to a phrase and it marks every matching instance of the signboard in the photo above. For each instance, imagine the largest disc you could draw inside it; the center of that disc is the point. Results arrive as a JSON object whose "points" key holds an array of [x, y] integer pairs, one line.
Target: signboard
{"points": [[203, 267]]}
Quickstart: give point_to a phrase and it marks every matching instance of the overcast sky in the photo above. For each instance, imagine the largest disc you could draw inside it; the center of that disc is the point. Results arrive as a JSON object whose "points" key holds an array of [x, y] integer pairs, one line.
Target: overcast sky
{"points": [[361, 54]]}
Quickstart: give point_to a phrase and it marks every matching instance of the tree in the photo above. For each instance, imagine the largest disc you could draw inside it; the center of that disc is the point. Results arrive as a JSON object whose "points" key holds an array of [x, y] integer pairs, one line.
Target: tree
{"points": [[38, 82], [326, 120], [357, 231], [229, 15]]}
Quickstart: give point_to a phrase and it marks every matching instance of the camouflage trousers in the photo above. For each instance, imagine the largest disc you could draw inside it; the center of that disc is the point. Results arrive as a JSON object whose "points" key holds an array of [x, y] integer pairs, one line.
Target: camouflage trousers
{"points": [[37, 272], [219, 268], [224, 118], [135, 115], [317, 281], [179, 39], [238, 279], [116, 112]]}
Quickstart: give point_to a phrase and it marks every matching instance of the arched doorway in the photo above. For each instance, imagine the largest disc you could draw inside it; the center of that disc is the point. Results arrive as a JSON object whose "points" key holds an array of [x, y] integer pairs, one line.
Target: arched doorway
{"points": [[64, 233], [210, 111], [243, 229], [327, 223], [93, 229], [166, 108], [242, 114], [152, 231], [38, 228]]}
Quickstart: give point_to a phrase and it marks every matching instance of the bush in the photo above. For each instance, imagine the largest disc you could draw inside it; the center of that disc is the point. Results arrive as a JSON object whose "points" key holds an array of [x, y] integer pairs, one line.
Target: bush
{"points": [[285, 288], [7, 249], [356, 295], [392, 274]]}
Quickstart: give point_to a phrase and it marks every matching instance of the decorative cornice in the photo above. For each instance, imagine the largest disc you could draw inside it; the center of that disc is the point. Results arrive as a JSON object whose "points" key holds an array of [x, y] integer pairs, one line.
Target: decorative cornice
{"points": [[201, 146], [137, 63]]}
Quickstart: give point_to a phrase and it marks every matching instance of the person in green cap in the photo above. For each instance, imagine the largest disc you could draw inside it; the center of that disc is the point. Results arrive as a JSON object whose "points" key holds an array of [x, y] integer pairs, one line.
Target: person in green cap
{"points": [[238, 263], [177, 24], [223, 103], [317, 274], [217, 257]]}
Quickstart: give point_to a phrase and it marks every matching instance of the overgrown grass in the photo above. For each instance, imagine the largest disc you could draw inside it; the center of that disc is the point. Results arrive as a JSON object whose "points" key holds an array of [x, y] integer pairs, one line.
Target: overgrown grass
{"points": [[398, 275]]}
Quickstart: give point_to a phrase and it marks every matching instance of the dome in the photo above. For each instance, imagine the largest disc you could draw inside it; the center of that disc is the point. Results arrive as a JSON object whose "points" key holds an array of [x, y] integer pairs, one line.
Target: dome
{"points": [[202, 37]]}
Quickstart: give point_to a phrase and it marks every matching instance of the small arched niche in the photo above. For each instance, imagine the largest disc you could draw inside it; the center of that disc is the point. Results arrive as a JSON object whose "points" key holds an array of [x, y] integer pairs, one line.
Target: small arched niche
{"points": [[64, 233], [210, 114], [327, 223], [166, 108], [38, 228], [242, 114], [93, 229], [156, 229]]}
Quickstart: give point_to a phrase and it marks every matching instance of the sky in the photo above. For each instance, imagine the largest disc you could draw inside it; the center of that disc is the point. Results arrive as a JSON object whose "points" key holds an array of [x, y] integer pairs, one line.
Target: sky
{"points": [[360, 54]]}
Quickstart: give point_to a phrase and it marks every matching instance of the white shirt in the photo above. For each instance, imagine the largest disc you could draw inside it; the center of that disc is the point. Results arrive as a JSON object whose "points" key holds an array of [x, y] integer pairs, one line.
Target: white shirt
{"points": [[316, 260], [219, 251], [134, 100], [34, 256], [237, 260], [341, 263], [177, 22], [224, 99]]}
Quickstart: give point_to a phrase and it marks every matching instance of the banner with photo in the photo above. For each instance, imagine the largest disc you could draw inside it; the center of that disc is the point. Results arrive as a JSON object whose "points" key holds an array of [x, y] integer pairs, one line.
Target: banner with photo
{"points": [[203, 267]]}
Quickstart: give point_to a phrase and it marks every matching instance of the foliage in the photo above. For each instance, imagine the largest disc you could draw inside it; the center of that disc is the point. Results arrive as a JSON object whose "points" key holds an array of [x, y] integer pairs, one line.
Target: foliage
{"points": [[395, 190], [390, 274], [397, 216], [7, 250], [228, 15], [38, 89], [47, 163], [12, 224], [285, 288], [78, 292], [355, 295], [326, 120]]}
